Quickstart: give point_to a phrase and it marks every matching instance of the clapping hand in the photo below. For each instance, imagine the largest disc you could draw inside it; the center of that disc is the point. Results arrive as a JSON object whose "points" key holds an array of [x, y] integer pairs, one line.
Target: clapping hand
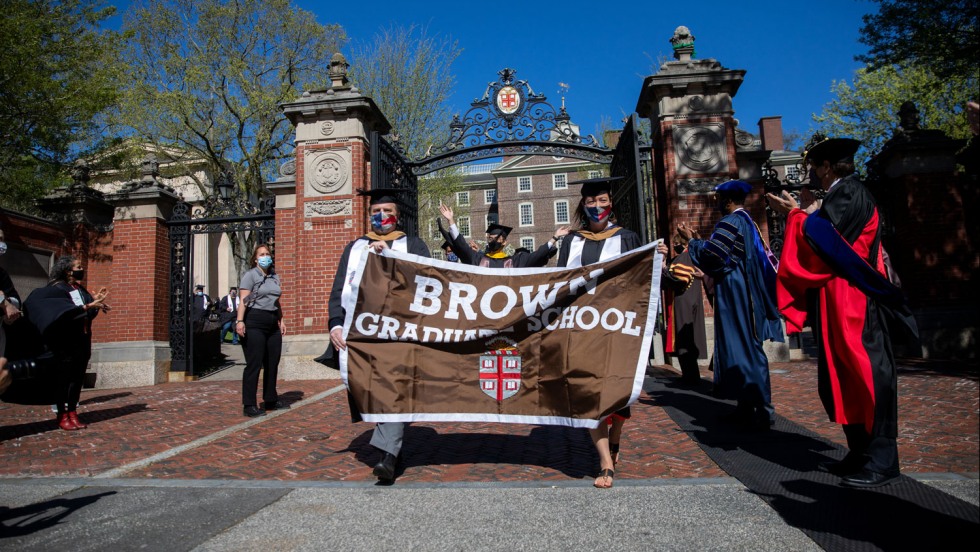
{"points": [[783, 203], [686, 232]]}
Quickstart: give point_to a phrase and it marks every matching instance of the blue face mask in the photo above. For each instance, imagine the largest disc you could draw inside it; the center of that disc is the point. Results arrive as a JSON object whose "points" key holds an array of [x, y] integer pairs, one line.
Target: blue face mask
{"points": [[3, 247], [451, 257], [265, 261], [597, 216]]}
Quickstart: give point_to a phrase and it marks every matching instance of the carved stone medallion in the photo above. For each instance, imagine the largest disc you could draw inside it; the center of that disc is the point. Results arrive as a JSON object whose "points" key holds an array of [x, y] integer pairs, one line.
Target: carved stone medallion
{"points": [[700, 148], [328, 172], [326, 128]]}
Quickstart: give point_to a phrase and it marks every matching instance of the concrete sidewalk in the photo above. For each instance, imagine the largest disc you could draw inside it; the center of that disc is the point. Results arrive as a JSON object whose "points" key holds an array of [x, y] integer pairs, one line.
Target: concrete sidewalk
{"points": [[177, 467]]}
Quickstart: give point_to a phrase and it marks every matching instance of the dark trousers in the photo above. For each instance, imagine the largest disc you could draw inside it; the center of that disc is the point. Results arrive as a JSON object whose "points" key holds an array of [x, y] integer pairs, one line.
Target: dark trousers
{"points": [[74, 352], [878, 453], [690, 372], [263, 347]]}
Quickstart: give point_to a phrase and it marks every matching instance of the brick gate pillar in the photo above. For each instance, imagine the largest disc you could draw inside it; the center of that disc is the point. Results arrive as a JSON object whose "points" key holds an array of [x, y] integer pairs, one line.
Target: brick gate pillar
{"points": [[131, 342], [319, 212], [689, 104]]}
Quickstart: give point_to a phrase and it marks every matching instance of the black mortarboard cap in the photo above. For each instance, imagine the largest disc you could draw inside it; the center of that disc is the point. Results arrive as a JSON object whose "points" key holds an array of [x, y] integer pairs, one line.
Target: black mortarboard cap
{"points": [[381, 195], [199, 286], [495, 229], [830, 149], [592, 187]]}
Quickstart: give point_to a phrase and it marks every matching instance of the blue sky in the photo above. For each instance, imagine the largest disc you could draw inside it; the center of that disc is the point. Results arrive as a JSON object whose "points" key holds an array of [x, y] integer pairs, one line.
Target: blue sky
{"points": [[791, 50]]}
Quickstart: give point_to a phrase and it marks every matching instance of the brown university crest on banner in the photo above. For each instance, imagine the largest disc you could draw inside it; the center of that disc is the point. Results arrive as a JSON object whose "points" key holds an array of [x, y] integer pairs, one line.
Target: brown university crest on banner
{"points": [[429, 340], [500, 368]]}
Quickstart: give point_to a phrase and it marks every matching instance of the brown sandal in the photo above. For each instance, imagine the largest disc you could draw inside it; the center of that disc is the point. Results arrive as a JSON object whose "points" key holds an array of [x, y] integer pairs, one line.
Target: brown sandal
{"points": [[602, 475]]}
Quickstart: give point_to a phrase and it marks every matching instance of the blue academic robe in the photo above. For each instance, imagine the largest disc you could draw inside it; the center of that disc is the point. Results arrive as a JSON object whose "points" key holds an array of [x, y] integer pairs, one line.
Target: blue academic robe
{"points": [[745, 307]]}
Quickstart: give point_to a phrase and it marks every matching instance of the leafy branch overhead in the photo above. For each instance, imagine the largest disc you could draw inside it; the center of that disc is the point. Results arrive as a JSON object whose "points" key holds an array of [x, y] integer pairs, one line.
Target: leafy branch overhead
{"points": [[941, 35], [207, 77], [59, 71], [408, 74]]}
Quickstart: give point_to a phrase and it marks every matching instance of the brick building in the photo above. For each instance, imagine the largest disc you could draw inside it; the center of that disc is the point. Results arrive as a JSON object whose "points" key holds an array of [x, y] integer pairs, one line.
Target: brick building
{"points": [[528, 193]]}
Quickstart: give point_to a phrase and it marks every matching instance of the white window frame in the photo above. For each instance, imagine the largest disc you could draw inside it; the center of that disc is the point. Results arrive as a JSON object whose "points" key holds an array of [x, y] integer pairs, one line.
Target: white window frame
{"points": [[527, 242], [556, 185], [520, 213], [521, 180], [463, 224], [463, 199], [558, 220], [438, 254], [490, 196], [595, 174]]}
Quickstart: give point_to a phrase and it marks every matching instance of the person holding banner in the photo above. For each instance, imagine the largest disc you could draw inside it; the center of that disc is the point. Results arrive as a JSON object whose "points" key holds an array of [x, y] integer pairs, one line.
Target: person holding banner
{"points": [[383, 209], [494, 255], [739, 261], [598, 239], [836, 252]]}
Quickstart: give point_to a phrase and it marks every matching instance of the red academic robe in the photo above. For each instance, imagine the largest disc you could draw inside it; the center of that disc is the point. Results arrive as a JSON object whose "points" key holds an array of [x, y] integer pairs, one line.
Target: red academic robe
{"points": [[848, 338]]}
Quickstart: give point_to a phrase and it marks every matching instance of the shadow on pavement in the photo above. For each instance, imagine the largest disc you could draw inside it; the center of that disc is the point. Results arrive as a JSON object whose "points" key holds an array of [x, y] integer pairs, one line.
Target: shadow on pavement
{"points": [[91, 417], [568, 450], [18, 522], [780, 466], [103, 398]]}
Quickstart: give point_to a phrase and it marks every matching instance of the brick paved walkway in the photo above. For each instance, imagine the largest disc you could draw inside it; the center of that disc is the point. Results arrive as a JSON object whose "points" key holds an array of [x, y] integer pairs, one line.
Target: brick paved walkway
{"points": [[938, 412]]}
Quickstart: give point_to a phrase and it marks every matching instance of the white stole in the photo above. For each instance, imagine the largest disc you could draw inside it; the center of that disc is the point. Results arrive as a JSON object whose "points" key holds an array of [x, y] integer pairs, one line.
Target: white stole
{"points": [[610, 248]]}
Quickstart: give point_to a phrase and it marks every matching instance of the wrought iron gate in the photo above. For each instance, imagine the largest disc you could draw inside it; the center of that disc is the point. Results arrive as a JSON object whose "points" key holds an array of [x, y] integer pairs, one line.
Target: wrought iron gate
{"points": [[233, 213], [632, 198], [390, 169], [794, 183]]}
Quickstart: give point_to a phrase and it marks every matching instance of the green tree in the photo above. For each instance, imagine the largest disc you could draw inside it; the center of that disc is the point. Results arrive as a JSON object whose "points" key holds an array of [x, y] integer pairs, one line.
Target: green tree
{"points": [[868, 108], [941, 35], [207, 77], [58, 72], [409, 75]]}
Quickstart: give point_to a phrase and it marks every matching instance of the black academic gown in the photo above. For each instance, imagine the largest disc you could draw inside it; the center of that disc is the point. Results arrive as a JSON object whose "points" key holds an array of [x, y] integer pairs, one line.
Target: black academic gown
{"points": [[519, 259], [48, 333], [592, 250]]}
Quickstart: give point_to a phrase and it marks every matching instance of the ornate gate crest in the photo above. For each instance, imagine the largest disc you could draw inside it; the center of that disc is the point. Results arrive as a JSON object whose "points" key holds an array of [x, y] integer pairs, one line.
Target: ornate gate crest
{"points": [[510, 119], [508, 100], [500, 369]]}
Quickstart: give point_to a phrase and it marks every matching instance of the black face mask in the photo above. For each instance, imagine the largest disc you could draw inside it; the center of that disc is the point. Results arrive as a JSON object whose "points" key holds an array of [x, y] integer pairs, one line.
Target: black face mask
{"points": [[494, 246], [78, 275], [678, 248]]}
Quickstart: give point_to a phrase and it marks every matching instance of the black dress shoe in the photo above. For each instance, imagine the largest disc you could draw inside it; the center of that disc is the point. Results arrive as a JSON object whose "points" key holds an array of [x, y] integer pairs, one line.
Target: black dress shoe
{"points": [[867, 479], [253, 411], [850, 465], [276, 405], [384, 470]]}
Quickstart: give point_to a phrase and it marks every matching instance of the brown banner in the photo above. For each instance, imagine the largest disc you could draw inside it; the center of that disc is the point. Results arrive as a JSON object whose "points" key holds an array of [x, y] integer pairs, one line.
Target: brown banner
{"points": [[431, 340]]}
